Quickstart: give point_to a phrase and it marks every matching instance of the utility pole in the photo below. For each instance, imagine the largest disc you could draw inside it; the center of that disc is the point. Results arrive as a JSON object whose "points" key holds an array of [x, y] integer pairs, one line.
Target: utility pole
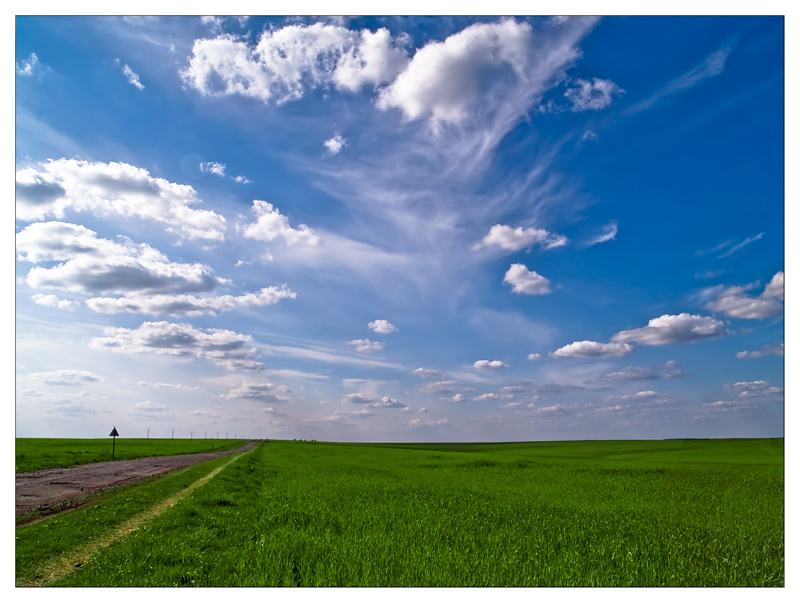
{"points": [[173, 434], [148, 433], [205, 436], [191, 435]]}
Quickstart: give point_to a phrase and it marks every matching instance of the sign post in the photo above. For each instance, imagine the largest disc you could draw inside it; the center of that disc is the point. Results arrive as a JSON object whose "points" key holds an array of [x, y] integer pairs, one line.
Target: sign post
{"points": [[114, 433]]}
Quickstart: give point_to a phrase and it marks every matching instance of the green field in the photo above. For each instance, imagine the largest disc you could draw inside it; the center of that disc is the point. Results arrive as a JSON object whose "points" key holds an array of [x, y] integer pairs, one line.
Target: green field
{"points": [[33, 454], [623, 513]]}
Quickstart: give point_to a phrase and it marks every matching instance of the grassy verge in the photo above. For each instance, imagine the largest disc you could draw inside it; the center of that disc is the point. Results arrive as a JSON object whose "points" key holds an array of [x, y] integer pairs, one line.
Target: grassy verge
{"points": [[33, 454], [318, 514], [38, 544]]}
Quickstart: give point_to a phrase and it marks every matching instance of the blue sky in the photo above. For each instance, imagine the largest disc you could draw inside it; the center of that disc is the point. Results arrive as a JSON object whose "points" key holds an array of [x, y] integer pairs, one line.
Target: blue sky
{"points": [[400, 229]]}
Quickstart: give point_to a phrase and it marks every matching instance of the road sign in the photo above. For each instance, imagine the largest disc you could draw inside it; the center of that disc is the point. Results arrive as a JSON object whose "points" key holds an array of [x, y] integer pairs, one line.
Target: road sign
{"points": [[114, 433]]}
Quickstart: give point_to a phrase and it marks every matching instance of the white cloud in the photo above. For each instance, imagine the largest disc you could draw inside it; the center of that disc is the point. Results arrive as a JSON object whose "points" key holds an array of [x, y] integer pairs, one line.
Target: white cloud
{"points": [[592, 96], [493, 364], [533, 356], [713, 65], [133, 78], [526, 281], [593, 349], [774, 349], [609, 233], [384, 402], [113, 189], [224, 348], [188, 305], [666, 329], [52, 300], [443, 388], [514, 239], [335, 144], [212, 167], [286, 62], [366, 346], [259, 392], [427, 373], [733, 301], [464, 76], [456, 398], [753, 389], [271, 225], [242, 180], [90, 264], [65, 377], [27, 66], [381, 326], [737, 247]]}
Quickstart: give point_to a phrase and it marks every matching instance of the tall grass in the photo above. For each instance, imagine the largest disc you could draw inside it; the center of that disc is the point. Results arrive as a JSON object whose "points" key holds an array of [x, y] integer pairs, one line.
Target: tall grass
{"points": [[315, 514]]}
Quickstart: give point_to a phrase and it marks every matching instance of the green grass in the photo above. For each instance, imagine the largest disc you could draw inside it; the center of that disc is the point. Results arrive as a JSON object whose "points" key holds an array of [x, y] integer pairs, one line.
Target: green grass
{"points": [[42, 541], [33, 454], [680, 513]]}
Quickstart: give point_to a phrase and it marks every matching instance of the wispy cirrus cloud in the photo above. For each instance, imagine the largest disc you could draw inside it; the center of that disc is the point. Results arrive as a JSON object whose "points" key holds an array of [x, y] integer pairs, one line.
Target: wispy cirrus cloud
{"points": [[712, 66]]}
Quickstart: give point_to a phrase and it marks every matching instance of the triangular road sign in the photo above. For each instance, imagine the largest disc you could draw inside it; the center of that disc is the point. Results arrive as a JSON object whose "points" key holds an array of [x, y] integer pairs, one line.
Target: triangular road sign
{"points": [[114, 433]]}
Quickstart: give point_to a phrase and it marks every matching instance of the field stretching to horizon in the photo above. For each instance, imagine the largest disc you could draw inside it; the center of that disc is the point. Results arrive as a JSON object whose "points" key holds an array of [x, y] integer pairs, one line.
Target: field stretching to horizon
{"points": [[305, 513], [33, 454]]}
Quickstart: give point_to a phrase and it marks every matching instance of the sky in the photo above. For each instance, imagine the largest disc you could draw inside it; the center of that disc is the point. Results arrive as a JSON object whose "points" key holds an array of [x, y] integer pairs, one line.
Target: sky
{"points": [[399, 229]]}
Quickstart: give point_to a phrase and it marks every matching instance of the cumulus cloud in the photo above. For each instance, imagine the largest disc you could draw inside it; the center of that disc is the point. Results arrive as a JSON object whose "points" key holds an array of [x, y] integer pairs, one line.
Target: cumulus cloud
{"points": [[271, 225], [592, 96], [381, 326], [66, 377], [734, 302], [133, 78], [666, 329], [366, 346], [188, 305], [489, 364], [224, 348], [212, 167], [593, 349], [514, 239], [384, 402], [288, 61], [773, 349], [464, 76], [533, 357], [52, 300], [526, 281], [90, 264], [334, 145], [753, 389], [113, 189], [259, 392]]}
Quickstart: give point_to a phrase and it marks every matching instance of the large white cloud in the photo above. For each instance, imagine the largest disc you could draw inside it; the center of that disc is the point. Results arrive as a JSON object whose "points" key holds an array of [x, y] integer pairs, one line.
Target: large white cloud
{"points": [[526, 281], [593, 349], [682, 328], [513, 239], [90, 264], [224, 348], [384, 327], [115, 189], [286, 62], [734, 302]]}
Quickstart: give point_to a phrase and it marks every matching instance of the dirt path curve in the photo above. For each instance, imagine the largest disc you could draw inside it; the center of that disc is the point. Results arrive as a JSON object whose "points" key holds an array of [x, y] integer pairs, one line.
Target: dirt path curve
{"points": [[53, 488]]}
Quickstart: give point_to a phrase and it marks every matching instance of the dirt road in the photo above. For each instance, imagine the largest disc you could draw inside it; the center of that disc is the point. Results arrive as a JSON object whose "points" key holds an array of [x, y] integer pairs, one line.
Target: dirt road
{"points": [[54, 488]]}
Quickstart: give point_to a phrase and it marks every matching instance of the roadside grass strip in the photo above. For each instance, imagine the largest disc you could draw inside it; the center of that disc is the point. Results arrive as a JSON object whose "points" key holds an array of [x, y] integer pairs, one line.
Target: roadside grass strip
{"points": [[57, 567]]}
